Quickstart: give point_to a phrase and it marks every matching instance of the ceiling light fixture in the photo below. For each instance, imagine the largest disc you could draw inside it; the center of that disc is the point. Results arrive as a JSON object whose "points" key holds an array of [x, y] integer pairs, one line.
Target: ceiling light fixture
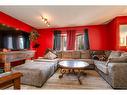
{"points": [[45, 21]]}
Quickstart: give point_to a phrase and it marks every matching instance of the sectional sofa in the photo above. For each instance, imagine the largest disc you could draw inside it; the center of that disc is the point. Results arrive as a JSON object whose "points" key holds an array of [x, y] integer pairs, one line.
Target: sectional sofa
{"points": [[113, 71]]}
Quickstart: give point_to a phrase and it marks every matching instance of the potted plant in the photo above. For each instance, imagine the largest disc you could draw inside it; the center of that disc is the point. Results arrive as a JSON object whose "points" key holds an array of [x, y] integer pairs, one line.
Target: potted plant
{"points": [[34, 35]]}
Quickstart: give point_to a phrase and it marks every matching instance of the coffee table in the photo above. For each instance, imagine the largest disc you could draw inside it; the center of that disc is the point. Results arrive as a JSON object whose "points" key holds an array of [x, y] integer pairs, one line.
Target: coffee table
{"points": [[71, 66]]}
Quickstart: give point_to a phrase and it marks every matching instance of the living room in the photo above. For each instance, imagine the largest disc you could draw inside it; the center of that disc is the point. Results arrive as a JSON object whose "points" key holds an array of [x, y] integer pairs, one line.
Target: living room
{"points": [[63, 47]]}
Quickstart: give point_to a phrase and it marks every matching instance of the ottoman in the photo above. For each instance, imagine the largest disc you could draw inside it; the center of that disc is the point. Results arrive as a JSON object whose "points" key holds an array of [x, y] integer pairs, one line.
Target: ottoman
{"points": [[36, 73]]}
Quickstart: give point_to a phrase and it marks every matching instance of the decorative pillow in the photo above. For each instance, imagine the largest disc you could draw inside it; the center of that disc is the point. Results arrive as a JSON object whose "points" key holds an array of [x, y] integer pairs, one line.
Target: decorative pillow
{"points": [[99, 57], [107, 53], [118, 59], [95, 57], [102, 57], [124, 54], [53, 51], [50, 55], [59, 54], [114, 54]]}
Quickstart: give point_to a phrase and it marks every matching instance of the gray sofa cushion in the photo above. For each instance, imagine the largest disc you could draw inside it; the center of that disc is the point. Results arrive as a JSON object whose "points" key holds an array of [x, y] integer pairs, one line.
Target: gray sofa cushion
{"points": [[101, 65], [67, 54], [119, 59], [85, 54], [76, 54]]}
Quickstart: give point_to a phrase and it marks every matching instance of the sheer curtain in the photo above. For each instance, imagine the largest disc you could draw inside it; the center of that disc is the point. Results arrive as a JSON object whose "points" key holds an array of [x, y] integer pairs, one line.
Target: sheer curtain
{"points": [[57, 40], [71, 39]]}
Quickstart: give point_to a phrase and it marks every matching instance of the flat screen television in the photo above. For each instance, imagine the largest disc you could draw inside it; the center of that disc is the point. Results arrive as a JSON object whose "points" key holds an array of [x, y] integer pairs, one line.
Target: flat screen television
{"points": [[13, 39]]}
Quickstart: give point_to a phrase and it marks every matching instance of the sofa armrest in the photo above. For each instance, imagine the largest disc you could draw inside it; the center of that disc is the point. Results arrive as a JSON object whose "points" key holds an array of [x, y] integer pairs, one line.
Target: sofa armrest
{"points": [[118, 74]]}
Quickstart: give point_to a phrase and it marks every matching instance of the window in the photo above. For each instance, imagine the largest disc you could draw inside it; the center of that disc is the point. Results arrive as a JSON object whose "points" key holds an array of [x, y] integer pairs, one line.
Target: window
{"points": [[21, 42], [123, 35], [64, 42], [10, 44], [79, 43]]}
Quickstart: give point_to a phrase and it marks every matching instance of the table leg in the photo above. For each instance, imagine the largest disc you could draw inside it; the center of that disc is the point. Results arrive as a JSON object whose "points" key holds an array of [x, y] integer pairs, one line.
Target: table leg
{"points": [[7, 67], [63, 71], [17, 83], [78, 76]]}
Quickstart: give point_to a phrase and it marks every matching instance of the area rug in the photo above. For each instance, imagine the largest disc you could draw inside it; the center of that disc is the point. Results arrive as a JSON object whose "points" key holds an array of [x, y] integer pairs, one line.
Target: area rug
{"points": [[90, 81]]}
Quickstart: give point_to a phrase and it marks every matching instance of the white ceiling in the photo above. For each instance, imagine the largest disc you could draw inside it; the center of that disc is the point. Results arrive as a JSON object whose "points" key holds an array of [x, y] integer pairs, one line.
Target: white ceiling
{"points": [[64, 16]]}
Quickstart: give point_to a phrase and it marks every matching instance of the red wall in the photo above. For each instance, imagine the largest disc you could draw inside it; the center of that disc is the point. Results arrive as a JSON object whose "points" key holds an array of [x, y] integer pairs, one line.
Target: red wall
{"points": [[45, 40], [98, 36], [12, 22], [113, 28]]}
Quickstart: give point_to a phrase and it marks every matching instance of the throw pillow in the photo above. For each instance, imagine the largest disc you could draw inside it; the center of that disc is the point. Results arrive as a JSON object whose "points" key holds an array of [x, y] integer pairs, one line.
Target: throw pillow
{"points": [[107, 53], [99, 57], [53, 51], [95, 57], [50, 55], [114, 54], [102, 57], [124, 54]]}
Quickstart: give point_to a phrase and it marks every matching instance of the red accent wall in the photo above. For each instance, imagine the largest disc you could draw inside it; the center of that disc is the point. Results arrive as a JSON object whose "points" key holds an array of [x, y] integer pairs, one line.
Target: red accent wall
{"points": [[12, 22], [45, 40], [113, 28]]}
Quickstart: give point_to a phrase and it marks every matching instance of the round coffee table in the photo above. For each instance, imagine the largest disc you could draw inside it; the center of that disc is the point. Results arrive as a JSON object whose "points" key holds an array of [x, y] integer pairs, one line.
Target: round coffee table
{"points": [[71, 66]]}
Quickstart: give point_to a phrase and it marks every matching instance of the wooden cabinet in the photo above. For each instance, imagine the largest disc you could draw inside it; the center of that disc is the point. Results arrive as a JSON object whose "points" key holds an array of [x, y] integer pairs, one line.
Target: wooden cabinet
{"points": [[12, 56]]}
